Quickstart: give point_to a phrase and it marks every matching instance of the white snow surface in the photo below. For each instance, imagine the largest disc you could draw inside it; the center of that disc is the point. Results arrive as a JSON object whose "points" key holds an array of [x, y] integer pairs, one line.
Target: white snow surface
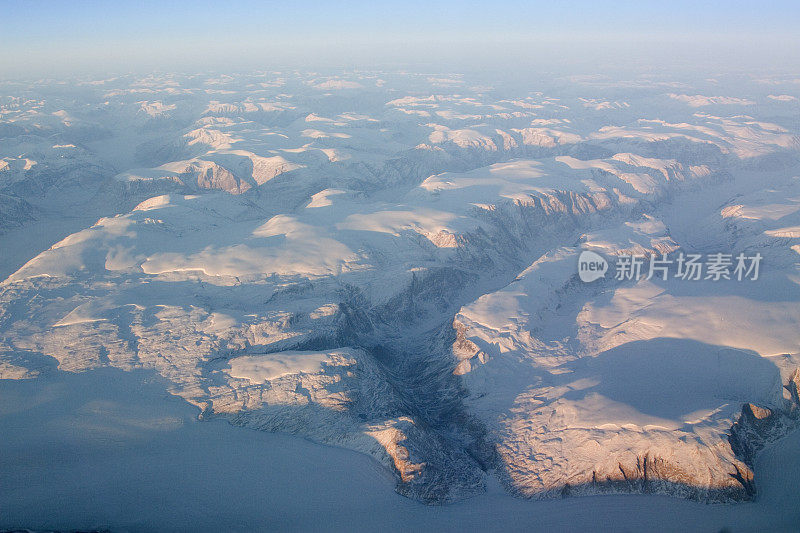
{"points": [[110, 457], [386, 262], [260, 368]]}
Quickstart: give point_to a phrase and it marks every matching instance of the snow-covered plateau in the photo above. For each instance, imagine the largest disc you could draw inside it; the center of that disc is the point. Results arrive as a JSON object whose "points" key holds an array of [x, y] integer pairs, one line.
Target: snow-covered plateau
{"points": [[388, 263]]}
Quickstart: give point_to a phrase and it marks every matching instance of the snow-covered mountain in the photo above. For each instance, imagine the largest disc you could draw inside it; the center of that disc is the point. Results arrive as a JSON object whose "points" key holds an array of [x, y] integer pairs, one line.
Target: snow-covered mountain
{"points": [[389, 263]]}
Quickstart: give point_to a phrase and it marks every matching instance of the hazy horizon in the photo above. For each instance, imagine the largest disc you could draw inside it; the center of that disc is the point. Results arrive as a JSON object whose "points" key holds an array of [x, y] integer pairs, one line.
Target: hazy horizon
{"points": [[89, 37]]}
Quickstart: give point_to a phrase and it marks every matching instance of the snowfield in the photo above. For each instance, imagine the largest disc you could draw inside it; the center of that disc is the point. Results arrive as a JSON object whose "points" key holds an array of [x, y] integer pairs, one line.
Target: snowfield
{"points": [[129, 444], [387, 263]]}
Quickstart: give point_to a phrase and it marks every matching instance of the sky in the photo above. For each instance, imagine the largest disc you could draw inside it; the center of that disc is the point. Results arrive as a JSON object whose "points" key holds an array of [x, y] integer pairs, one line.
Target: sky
{"points": [[43, 36]]}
